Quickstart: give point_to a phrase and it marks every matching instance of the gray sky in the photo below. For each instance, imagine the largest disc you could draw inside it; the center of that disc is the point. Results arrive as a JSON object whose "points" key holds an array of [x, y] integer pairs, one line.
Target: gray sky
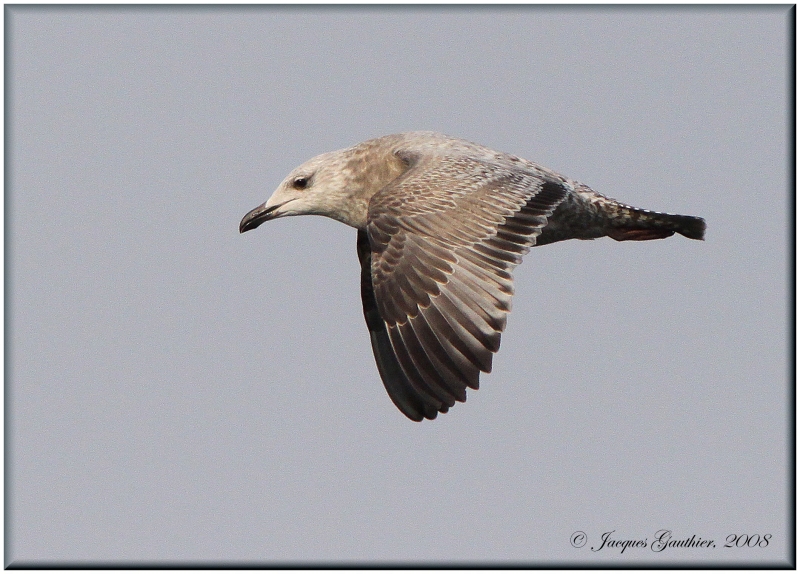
{"points": [[176, 391]]}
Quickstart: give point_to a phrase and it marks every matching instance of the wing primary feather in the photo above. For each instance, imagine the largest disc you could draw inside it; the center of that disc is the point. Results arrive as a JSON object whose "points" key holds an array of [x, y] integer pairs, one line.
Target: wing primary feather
{"points": [[429, 395], [453, 345], [499, 284], [476, 351], [406, 295], [449, 373], [498, 287], [475, 299], [424, 367], [397, 385]]}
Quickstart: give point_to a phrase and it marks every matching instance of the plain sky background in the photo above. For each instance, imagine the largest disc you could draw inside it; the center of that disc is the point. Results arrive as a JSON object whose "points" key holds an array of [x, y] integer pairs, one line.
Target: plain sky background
{"points": [[176, 391]]}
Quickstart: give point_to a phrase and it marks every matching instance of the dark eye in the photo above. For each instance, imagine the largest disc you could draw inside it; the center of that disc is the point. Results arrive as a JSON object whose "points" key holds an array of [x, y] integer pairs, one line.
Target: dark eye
{"points": [[300, 183]]}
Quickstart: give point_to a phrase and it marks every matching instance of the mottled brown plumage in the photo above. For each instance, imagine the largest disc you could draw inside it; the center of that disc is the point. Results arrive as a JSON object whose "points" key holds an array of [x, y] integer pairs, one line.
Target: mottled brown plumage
{"points": [[442, 223]]}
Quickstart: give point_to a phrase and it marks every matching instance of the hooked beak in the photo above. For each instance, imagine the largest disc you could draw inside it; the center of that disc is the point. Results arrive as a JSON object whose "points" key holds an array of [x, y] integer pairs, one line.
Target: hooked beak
{"points": [[259, 215]]}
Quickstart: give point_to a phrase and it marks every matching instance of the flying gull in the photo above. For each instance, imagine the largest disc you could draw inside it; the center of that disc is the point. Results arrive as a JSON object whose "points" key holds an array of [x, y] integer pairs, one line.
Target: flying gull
{"points": [[442, 222]]}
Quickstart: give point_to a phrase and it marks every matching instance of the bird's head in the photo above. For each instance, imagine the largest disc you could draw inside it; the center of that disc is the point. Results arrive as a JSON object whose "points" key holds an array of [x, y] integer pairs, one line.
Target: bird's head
{"points": [[338, 185], [311, 189]]}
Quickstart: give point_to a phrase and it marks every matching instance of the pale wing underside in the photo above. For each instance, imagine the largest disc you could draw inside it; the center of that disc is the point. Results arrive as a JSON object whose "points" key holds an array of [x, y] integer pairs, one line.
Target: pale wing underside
{"points": [[436, 258]]}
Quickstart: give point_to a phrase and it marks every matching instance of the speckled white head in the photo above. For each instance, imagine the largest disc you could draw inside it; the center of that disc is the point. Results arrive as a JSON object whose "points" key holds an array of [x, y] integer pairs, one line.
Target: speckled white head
{"points": [[337, 184]]}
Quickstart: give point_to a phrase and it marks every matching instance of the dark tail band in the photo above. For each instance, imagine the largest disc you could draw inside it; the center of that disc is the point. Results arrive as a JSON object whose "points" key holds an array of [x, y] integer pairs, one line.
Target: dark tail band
{"points": [[641, 225]]}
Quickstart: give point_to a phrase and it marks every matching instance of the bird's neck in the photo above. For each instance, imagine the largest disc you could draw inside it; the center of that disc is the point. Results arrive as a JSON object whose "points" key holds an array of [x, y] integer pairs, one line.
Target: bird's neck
{"points": [[370, 170]]}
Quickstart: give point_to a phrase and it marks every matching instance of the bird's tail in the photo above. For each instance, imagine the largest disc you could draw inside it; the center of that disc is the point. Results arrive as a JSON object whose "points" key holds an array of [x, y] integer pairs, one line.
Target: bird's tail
{"points": [[633, 224]]}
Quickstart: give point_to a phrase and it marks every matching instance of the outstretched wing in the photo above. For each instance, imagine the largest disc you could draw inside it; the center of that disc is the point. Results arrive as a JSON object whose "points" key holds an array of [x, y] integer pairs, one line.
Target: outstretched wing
{"points": [[436, 274]]}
